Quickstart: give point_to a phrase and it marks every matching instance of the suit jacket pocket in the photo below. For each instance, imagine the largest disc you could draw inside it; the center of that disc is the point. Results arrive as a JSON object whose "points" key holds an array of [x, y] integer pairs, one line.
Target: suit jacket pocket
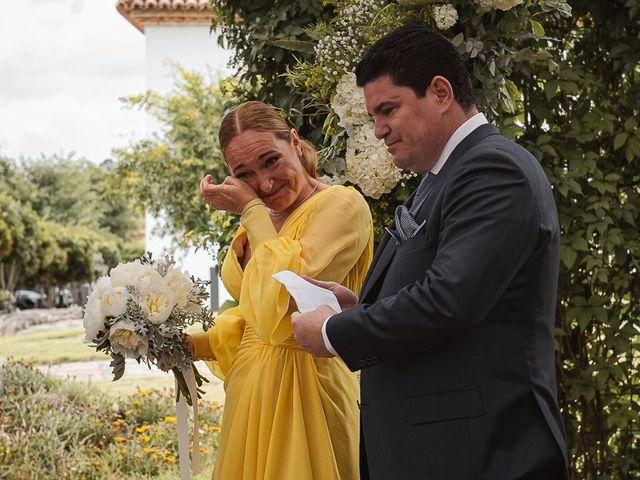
{"points": [[441, 406], [413, 243]]}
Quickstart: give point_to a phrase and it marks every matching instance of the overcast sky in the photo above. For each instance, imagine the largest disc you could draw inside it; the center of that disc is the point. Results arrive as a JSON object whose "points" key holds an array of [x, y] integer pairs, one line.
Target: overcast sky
{"points": [[63, 66]]}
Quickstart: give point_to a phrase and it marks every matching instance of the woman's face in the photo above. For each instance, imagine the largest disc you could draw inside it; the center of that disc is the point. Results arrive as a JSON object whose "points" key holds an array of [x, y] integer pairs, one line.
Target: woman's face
{"points": [[270, 166]]}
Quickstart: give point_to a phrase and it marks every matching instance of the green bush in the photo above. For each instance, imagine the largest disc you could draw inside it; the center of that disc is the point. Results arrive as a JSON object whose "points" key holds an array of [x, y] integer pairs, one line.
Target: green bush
{"points": [[55, 429], [7, 302]]}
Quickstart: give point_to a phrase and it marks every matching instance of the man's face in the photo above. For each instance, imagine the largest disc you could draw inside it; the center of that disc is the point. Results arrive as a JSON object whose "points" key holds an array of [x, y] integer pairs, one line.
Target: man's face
{"points": [[412, 127]]}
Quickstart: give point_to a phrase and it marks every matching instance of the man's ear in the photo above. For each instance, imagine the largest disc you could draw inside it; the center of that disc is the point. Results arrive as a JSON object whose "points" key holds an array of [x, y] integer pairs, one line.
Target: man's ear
{"points": [[442, 89]]}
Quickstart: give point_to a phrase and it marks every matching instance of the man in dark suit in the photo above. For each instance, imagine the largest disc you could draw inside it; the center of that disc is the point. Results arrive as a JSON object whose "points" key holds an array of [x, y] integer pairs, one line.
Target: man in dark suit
{"points": [[454, 328]]}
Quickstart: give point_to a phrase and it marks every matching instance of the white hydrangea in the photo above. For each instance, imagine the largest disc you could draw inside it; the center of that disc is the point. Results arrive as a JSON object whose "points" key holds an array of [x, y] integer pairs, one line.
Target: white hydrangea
{"points": [[499, 4], [348, 102], [335, 180], [445, 16], [368, 164]]}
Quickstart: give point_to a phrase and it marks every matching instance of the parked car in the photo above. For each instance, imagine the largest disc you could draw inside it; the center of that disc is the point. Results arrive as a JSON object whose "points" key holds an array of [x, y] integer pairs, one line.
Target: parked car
{"points": [[26, 299]]}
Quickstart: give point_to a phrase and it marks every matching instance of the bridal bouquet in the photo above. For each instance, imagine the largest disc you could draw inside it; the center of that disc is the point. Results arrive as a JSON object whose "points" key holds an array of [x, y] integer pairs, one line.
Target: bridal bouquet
{"points": [[141, 310]]}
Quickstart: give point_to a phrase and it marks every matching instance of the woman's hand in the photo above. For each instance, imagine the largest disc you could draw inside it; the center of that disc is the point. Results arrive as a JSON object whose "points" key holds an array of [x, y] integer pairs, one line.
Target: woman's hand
{"points": [[231, 195], [188, 344]]}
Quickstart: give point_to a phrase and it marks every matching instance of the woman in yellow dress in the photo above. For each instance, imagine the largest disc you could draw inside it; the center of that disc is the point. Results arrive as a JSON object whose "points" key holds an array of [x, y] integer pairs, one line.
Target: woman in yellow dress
{"points": [[287, 414]]}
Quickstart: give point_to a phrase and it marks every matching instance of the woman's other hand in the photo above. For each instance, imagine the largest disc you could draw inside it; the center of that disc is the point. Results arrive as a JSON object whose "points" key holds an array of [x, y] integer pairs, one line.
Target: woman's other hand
{"points": [[188, 345], [231, 195]]}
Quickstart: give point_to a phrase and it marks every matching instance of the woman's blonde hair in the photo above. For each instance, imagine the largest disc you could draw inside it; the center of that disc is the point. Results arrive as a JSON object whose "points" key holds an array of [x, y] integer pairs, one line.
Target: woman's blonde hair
{"points": [[260, 117]]}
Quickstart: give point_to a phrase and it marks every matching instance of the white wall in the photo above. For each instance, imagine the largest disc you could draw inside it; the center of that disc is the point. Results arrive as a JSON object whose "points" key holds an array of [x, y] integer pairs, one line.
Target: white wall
{"points": [[193, 48]]}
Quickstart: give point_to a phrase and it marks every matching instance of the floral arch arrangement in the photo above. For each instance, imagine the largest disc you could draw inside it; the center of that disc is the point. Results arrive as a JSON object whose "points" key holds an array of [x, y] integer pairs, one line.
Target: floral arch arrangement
{"points": [[499, 40]]}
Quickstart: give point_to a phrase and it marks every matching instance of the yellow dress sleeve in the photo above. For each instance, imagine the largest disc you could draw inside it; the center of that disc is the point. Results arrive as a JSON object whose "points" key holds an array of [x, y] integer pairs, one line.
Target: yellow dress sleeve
{"points": [[219, 345], [325, 242]]}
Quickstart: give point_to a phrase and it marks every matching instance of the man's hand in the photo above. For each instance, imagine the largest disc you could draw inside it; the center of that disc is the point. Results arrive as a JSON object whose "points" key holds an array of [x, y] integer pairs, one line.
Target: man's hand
{"points": [[346, 298], [307, 330]]}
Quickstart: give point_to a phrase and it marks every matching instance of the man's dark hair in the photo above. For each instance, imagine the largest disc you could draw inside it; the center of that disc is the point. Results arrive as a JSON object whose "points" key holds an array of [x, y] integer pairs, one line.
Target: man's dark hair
{"points": [[412, 55]]}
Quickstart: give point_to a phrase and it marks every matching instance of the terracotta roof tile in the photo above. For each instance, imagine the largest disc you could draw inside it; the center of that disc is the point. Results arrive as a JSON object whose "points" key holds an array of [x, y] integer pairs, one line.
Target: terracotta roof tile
{"points": [[141, 13], [163, 4]]}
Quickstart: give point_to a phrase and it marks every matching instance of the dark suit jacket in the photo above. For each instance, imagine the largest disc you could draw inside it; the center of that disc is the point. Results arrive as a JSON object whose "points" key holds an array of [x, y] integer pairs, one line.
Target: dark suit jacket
{"points": [[455, 332]]}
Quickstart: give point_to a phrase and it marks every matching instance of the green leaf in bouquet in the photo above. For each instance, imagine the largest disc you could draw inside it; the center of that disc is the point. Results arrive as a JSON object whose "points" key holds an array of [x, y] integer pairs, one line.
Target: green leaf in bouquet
{"points": [[117, 364]]}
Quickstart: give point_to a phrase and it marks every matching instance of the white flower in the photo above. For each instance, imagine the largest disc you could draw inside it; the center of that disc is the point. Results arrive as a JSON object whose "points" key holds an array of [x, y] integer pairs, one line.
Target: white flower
{"points": [[348, 102], [114, 301], [157, 300], [499, 4], [93, 320], [94, 316], [126, 341], [445, 16], [368, 163], [181, 285], [130, 274]]}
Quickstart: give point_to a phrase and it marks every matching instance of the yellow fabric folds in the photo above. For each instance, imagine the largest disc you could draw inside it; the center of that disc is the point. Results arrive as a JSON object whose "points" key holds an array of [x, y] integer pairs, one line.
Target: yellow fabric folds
{"points": [[287, 414]]}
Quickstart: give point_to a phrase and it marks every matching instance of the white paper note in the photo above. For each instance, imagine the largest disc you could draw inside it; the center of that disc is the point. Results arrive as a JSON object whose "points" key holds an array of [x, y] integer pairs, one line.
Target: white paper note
{"points": [[308, 296]]}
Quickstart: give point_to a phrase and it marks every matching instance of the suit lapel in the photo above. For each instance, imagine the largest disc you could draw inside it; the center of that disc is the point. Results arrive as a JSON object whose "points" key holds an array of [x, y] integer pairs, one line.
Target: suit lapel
{"points": [[387, 248], [384, 253]]}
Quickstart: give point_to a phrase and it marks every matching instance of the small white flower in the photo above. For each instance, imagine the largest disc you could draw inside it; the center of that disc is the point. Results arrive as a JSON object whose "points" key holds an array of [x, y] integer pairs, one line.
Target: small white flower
{"points": [[445, 16], [126, 341]]}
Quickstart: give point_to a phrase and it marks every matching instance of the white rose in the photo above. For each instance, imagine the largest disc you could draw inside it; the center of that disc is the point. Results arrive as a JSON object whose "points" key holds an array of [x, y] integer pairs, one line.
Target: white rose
{"points": [[94, 317], [114, 301], [181, 285], [130, 273], [157, 301], [126, 341], [93, 320]]}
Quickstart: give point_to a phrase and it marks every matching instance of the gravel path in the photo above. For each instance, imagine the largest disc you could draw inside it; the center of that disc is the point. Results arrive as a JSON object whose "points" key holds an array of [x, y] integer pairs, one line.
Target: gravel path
{"points": [[98, 370]]}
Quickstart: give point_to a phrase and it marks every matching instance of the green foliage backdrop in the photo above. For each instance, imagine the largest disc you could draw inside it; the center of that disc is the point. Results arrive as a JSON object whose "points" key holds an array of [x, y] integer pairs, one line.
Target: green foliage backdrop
{"points": [[570, 93], [59, 223], [562, 78]]}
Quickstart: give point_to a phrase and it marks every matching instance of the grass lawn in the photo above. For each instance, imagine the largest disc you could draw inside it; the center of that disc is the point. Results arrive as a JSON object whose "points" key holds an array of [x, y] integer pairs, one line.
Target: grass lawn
{"points": [[52, 346], [62, 345], [49, 346]]}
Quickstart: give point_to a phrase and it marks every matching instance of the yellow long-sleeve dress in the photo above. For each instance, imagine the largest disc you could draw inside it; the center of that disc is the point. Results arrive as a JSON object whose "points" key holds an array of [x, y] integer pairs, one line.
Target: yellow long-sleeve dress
{"points": [[287, 415]]}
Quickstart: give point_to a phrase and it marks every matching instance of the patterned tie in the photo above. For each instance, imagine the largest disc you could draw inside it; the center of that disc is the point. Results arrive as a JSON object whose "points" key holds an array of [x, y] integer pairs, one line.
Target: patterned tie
{"points": [[421, 192]]}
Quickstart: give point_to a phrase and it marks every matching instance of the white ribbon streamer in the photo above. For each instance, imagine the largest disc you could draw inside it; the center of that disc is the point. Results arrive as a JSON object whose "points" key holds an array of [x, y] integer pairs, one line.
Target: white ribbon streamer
{"points": [[183, 429]]}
